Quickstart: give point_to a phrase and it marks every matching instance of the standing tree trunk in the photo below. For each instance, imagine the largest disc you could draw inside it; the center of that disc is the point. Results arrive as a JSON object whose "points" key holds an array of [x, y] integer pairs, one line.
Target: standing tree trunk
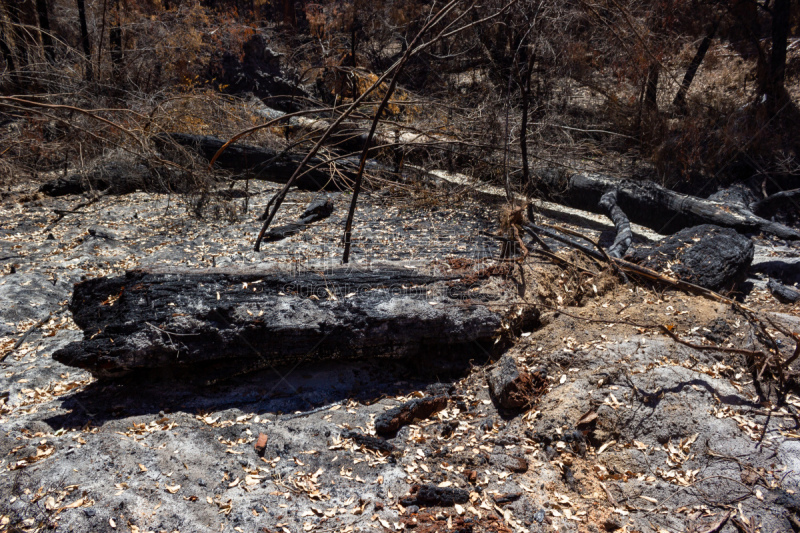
{"points": [[523, 133], [651, 88], [680, 98], [8, 56], [115, 39], [86, 45], [289, 15], [22, 17], [44, 27], [353, 30], [749, 28], [773, 88]]}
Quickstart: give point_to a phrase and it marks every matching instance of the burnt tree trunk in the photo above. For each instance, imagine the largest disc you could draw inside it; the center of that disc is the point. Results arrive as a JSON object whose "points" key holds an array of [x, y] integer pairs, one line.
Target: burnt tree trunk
{"points": [[651, 205], [85, 43], [8, 56], [256, 319], [44, 27], [651, 89], [774, 89], [251, 162], [697, 60], [22, 17], [526, 102], [289, 14], [115, 39]]}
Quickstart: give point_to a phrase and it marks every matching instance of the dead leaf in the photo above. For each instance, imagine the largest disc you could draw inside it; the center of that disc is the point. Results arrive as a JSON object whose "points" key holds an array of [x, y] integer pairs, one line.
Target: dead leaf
{"points": [[587, 418]]}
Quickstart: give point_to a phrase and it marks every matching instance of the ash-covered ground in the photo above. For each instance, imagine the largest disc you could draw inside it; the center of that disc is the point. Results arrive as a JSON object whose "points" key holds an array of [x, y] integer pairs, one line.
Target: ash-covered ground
{"points": [[628, 430]]}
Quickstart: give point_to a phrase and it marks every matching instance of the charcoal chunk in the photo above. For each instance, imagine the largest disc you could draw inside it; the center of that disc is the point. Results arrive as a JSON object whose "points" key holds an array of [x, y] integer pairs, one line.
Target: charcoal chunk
{"points": [[431, 495], [510, 386], [418, 409], [709, 256]]}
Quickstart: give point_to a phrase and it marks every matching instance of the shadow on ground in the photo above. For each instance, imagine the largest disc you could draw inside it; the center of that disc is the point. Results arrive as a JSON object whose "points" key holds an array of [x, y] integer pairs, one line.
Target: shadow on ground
{"points": [[277, 391]]}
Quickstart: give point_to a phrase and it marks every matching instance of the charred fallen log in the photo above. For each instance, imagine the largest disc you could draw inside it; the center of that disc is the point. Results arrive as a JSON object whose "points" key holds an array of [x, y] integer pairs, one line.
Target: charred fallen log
{"points": [[784, 201], [651, 205], [122, 175], [111, 176], [624, 236], [251, 320], [317, 210], [254, 162]]}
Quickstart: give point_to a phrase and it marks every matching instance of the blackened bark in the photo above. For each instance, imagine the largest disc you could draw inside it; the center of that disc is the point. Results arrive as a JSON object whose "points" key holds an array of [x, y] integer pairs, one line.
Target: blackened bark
{"points": [[774, 91], [8, 56], [523, 133], [624, 236], [766, 207], [697, 60], [705, 255], [85, 43], [44, 27], [651, 88], [115, 39], [21, 14], [782, 292], [289, 14], [317, 210], [259, 163]]}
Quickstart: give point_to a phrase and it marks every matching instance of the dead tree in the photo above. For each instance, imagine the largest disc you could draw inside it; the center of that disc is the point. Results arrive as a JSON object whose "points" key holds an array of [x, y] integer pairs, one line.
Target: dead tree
{"points": [[8, 56], [42, 12], [85, 43], [680, 97], [115, 39], [23, 17], [772, 85]]}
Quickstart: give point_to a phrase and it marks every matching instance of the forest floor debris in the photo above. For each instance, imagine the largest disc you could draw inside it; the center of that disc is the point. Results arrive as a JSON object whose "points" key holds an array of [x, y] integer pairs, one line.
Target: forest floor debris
{"points": [[632, 431]]}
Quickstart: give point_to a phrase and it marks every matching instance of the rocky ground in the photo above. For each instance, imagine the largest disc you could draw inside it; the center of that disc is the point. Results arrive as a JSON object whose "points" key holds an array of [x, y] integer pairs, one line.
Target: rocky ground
{"points": [[628, 431]]}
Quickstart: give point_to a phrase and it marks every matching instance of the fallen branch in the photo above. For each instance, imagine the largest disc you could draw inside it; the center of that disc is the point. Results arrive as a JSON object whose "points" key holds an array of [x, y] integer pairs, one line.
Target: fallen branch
{"points": [[765, 205], [650, 204], [624, 236], [317, 210], [718, 525], [30, 330]]}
